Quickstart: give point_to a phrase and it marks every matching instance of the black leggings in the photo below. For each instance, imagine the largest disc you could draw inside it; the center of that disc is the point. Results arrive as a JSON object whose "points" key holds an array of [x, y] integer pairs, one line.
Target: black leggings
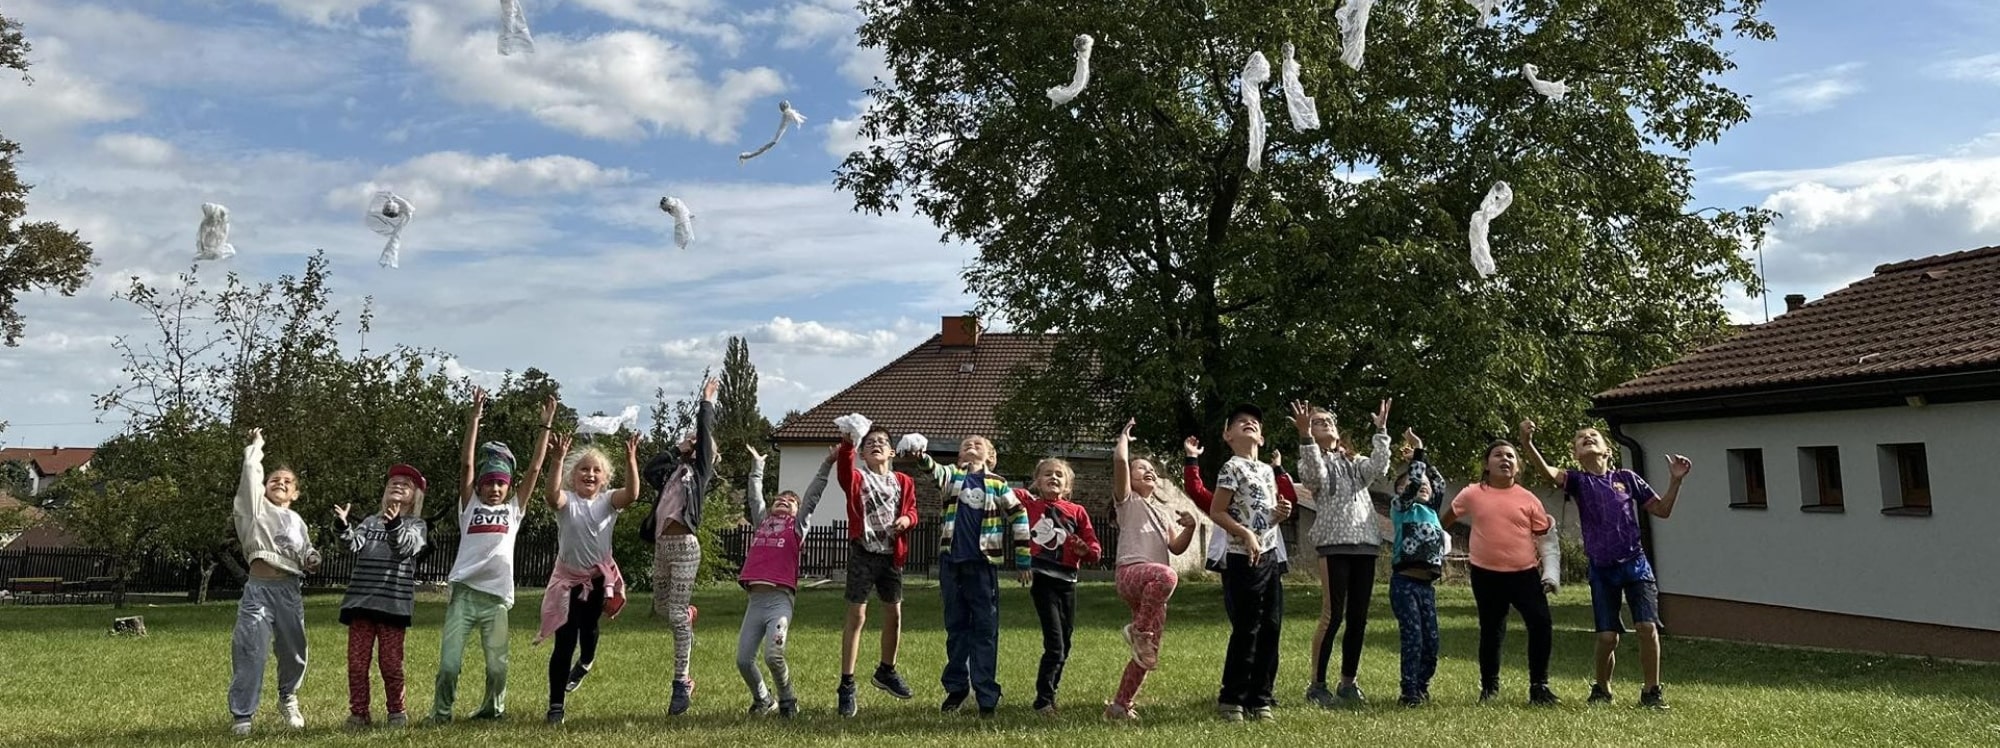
{"points": [[1350, 582], [579, 629], [1495, 592]]}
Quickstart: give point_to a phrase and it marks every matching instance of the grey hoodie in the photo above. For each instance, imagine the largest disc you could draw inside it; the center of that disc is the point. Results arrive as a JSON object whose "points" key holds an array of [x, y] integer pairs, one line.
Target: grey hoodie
{"points": [[1344, 521]]}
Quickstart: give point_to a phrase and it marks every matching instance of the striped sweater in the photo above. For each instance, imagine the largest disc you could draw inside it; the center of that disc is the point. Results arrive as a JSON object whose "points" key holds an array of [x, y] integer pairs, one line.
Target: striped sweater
{"points": [[1004, 524], [383, 584]]}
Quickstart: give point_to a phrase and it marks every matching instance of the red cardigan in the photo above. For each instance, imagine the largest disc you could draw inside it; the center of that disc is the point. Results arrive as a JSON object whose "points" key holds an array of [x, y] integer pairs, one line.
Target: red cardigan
{"points": [[849, 475]]}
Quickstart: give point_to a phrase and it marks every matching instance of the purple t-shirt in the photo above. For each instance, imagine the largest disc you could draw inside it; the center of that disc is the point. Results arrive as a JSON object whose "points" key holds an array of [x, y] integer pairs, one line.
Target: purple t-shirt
{"points": [[1608, 506]]}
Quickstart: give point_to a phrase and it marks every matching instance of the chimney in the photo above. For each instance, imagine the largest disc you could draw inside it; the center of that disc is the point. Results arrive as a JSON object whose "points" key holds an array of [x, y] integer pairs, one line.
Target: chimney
{"points": [[960, 332], [1793, 301]]}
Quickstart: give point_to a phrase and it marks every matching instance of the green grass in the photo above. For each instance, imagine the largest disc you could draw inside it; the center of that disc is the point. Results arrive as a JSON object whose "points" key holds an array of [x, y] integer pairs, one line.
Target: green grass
{"points": [[66, 682]]}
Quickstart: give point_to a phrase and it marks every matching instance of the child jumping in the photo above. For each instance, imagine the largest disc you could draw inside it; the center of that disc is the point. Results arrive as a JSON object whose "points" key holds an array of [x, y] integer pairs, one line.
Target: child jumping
{"points": [[1250, 549], [1145, 580], [1510, 528], [1346, 539], [983, 525], [280, 554], [682, 475], [1607, 504], [1417, 558], [586, 584], [881, 508], [1061, 540], [771, 576], [490, 511], [381, 591]]}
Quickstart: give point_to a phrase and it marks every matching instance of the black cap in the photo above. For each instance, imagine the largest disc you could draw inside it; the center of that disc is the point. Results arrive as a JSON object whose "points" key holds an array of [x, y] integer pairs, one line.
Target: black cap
{"points": [[1244, 409]]}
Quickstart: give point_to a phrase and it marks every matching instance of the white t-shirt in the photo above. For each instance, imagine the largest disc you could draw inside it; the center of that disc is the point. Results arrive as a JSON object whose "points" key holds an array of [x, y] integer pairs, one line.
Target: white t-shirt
{"points": [[583, 529], [1254, 505], [486, 547]]}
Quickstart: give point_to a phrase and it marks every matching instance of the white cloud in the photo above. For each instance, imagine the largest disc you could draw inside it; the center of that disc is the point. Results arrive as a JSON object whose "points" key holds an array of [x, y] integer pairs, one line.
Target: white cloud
{"points": [[60, 97], [432, 180], [618, 85], [678, 17], [1980, 68], [322, 12], [144, 150], [1815, 91], [132, 49]]}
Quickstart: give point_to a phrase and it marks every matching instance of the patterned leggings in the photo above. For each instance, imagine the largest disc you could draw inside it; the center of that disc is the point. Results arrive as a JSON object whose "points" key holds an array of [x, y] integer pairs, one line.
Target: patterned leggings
{"points": [[676, 561], [363, 639], [1146, 588]]}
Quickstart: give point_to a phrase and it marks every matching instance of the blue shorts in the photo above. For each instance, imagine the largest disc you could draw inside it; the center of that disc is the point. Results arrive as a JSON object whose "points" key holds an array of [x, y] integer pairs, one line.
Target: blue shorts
{"points": [[1634, 579]]}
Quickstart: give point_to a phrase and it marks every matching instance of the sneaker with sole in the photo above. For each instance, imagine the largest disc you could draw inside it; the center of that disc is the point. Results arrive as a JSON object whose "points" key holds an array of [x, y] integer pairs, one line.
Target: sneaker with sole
{"points": [[683, 697], [1599, 695], [576, 676], [1350, 695], [789, 708], [1488, 693], [1116, 713], [1317, 695], [399, 719], [953, 701], [988, 712], [1411, 700], [240, 727], [847, 706], [555, 715], [1046, 710], [761, 707], [488, 716], [887, 679], [359, 721], [1539, 694], [1651, 698], [1229, 712], [439, 720], [1263, 714], [289, 708]]}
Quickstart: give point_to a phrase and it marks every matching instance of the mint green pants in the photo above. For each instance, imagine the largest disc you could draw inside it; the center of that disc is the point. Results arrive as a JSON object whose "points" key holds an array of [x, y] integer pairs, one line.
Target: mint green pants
{"points": [[472, 610]]}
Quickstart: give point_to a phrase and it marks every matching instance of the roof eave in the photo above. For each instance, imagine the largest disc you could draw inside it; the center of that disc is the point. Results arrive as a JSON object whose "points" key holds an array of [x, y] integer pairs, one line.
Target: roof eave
{"points": [[1966, 385]]}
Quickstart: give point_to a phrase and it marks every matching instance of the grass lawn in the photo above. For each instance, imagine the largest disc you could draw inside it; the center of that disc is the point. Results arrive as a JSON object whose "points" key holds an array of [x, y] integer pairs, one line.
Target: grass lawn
{"points": [[66, 682]]}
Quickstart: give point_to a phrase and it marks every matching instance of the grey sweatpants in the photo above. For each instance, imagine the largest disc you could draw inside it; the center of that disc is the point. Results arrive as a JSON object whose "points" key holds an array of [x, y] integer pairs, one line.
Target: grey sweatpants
{"points": [[766, 620], [271, 610]]}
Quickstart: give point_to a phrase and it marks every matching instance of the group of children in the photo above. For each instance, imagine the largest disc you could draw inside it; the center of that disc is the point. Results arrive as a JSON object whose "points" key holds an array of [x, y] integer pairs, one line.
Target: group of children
{"points": [[988, 526]]}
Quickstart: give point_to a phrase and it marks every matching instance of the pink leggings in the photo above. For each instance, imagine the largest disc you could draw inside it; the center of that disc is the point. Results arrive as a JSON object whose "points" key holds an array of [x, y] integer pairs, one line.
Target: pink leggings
{"points": [[1145, 587], [365, 640]]}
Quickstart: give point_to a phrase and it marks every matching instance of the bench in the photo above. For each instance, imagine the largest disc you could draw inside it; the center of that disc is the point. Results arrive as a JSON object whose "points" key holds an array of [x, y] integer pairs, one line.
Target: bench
{"points": [[36, 585]]}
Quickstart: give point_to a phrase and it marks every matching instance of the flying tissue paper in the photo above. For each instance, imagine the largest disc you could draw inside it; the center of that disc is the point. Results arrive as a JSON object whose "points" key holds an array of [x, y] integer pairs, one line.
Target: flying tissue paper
{"points": [[1256, 72], [1061, 95], [212, 240], [1353, 20], [1487, 9], [1555, 90], [1496, 202], [387, 214], [683, 220], [854, 425], [913, 443], [628, 418], [514, 35], [1304, 111], [787, 119]]}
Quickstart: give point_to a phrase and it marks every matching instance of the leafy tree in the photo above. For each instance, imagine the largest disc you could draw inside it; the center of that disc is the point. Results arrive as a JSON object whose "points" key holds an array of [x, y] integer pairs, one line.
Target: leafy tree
{"points": [[34, 256], [738, 421], [16, 479], [127, 520], [1183, 282]]}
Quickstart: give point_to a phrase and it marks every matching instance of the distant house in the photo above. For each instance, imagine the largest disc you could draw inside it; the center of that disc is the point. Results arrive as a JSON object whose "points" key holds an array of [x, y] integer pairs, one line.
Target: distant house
{"points": [[43, 466], [1843, 487]]}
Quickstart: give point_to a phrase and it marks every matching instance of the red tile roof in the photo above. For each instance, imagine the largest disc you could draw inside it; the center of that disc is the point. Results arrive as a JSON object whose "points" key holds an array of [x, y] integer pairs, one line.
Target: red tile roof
{"points": [[944, 392], [1935, 315], [49, 460]]}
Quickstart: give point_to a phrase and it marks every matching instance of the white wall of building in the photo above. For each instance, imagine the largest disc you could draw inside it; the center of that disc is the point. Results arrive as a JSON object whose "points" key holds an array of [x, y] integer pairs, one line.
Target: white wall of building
{"points": [[796, 466], [1935, 569]]}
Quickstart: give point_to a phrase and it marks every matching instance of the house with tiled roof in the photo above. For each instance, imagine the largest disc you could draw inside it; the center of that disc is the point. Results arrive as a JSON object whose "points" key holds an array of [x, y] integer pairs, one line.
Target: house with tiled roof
{"points": [[41, 466], [947, 388], [1842, 494]]}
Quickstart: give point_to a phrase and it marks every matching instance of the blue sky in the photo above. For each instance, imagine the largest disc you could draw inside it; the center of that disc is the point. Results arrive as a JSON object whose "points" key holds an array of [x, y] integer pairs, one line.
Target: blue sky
{"points": [[536, 177]]}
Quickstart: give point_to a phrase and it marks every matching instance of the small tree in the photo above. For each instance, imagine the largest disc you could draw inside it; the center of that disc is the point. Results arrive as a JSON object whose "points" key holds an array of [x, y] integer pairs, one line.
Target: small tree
{"points": [[127, 520]]}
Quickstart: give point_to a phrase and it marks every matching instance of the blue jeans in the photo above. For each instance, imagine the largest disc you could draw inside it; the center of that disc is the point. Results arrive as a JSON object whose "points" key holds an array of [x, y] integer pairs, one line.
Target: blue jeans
{"points": [[971, 629], [1415, 603], [1634, 580]]}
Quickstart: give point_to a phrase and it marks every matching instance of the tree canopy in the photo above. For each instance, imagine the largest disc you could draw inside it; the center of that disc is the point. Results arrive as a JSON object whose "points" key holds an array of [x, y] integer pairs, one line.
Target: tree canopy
{"points": [[38, 255]]}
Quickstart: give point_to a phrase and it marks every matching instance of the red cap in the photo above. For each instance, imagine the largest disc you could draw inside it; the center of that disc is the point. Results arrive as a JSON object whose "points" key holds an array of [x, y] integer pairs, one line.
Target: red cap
{"points": [[411, 473]]}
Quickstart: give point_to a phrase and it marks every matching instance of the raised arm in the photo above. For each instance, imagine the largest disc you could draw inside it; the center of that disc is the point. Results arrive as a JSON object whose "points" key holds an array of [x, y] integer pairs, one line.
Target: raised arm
{"points": [[753, 497], [554, 496], [526, 488], [817, 488], [845, 471], [1555, 475], [630, 492], [704, 435], [1180, 543], [250, 485], [410, 534], [1677, 470], [465, 467], [1191, 482], [1121, 463], [1377, 464]]}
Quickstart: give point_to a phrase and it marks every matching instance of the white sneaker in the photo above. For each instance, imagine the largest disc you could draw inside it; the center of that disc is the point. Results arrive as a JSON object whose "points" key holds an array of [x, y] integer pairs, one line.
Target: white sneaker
{"points": [[290, 708], [240, 727]]}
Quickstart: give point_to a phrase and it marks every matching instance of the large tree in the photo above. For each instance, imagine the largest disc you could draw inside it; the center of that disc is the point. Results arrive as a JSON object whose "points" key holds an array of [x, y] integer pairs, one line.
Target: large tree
{"points": [[1181, 281], [738, 419], [37, 256]]}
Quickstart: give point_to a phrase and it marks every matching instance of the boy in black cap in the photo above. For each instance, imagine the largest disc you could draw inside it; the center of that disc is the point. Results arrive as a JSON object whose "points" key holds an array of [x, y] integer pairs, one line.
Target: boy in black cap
{"points": [[1249, 551]]}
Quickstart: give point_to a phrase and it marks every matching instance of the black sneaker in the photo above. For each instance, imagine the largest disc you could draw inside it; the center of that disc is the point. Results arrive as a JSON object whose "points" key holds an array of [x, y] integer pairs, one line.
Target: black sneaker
{"points": [[1350, 695], [1540, 695], [987, 712], [1488, 693], [1318, 695], [683, 697], [576, 675], [887, 679], [1411, 700], [486, 716], [1650, 698], [1599, 695], [761, 707], [847, 705], [555, 716], [789, 708], [953, 700]]}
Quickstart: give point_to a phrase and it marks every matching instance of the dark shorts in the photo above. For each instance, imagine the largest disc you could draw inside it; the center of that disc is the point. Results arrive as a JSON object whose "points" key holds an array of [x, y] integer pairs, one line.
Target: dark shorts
{"points": [[877, 571], [1634, 581]]}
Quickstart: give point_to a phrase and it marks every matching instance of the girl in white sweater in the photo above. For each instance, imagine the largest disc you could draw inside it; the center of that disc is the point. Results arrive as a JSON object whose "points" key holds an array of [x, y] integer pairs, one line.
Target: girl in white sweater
{"points": [[280, 553]]}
